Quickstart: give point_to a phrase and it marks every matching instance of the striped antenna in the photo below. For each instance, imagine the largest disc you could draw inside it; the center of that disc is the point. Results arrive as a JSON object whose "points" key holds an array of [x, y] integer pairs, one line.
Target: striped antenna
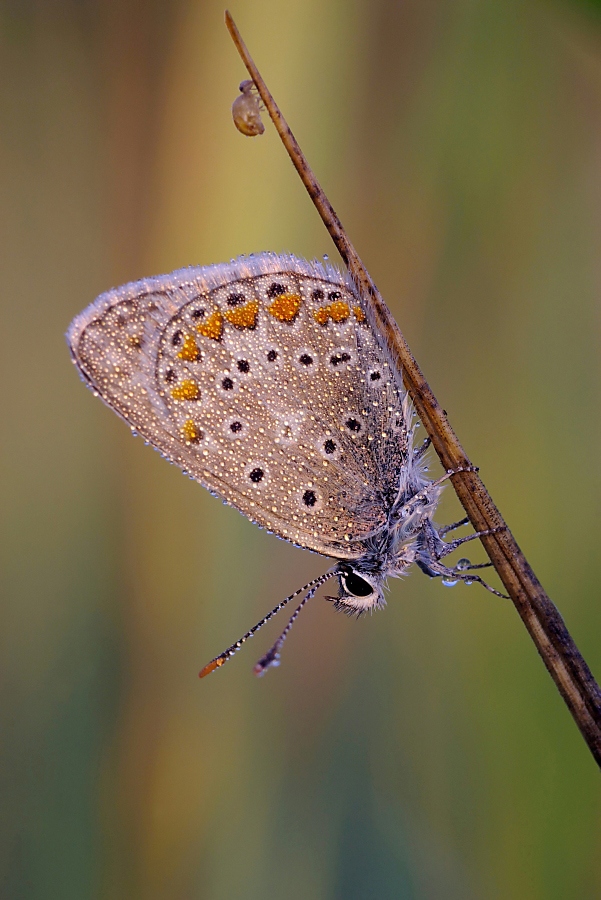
{"points": [[312, 587], [272, 657]]}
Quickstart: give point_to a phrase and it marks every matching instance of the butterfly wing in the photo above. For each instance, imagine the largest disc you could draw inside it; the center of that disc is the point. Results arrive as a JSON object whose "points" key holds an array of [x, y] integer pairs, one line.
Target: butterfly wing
{"points": [[263, 380]]}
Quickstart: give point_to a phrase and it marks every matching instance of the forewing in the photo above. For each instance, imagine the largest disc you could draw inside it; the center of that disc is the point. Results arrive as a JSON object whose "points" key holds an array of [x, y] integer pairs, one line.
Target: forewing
{"points": [[264, 381]]}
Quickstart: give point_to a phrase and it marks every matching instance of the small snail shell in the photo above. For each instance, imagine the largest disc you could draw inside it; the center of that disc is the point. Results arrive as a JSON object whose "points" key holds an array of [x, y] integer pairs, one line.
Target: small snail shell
{"points": [[246, 111]]}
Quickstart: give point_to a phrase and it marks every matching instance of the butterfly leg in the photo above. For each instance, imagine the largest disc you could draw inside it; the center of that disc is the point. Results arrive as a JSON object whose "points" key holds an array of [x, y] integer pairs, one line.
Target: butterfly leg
{"points": [[424, 493], [468, 578], [446, 528], [452, 545], [406, 509], [431, 550], [419, 452]]}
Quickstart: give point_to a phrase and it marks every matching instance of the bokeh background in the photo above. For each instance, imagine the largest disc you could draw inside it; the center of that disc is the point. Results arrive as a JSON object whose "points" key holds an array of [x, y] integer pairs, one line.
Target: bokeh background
{"points": [[420, 753]]}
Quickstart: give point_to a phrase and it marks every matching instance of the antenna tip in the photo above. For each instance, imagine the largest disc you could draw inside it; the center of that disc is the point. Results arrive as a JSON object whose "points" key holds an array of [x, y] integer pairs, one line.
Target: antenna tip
{"points": [[210, 667], [272, 658]]}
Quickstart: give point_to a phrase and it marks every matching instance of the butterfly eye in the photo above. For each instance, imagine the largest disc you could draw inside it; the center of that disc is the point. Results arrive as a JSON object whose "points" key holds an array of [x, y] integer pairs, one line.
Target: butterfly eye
{"points": [[356, 585]]}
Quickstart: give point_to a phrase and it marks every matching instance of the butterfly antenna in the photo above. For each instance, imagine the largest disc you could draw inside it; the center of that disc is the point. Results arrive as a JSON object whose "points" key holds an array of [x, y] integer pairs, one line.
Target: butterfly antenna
{"points": [[272, 657], [312, 587]]}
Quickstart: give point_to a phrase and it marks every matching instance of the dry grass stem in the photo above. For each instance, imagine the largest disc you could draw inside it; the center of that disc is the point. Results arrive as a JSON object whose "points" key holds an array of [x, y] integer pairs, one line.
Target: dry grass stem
{"points": [[541, 618]]}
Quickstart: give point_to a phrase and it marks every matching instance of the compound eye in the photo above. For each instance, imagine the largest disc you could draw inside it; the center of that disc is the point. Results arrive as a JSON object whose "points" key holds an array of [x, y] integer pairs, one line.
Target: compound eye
{"points": [[356, 585]]}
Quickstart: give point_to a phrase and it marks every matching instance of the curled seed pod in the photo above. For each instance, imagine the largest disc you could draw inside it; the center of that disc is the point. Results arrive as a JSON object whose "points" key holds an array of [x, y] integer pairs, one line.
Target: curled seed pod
{"points": [[246, 110]]}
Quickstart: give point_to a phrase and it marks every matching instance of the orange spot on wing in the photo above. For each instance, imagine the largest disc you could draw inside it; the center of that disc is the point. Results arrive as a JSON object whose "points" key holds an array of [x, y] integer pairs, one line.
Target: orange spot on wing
{"points": [[285, 307], [359, 314], [187, 390], [213, 327], [244, 316], [338, 311], [191, 433], [189, 351]]}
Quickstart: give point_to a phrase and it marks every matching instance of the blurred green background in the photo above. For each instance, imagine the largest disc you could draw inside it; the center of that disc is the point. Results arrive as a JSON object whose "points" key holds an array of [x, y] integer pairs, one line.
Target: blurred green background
{"points": [[421, 753]]}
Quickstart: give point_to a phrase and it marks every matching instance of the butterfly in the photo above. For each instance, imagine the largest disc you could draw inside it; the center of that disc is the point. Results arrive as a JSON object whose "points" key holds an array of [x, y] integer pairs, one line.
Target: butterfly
{"points": [[265, 381]]}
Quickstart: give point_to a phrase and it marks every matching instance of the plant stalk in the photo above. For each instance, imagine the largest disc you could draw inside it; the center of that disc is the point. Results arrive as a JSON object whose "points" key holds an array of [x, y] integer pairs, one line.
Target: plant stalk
{"points": [[545, 625]]}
